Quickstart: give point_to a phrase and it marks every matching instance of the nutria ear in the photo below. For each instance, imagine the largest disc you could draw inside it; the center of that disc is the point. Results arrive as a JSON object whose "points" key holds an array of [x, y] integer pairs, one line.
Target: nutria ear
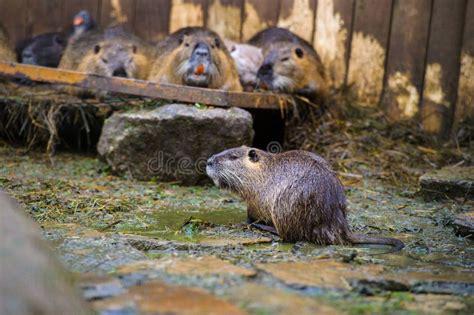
{"points": [[253, 156], [181, 39], [299, 52], [96, 49], [217, 42]]}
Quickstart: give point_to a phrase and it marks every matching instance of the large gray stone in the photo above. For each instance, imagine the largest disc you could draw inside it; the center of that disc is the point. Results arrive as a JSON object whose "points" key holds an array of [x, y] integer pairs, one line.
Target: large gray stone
{"points": [[448, 182], [172, 142]]}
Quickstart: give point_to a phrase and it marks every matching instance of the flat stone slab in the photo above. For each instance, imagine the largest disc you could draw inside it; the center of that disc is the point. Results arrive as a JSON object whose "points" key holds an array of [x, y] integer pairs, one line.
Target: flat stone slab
{"points": [[202, 266], [449, 182], [464, 224], [173, 142], [160, 298]]}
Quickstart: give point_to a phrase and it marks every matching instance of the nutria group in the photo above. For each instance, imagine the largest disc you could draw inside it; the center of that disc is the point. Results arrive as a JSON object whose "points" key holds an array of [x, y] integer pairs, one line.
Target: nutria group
{"points": [[291, 64], [295, 194], [195, 56]]}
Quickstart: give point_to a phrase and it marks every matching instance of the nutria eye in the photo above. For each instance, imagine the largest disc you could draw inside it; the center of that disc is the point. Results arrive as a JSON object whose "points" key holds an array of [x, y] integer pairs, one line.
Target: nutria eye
{"points": [[105, 60], [96, 49], [217, 42], [253, 156], [233, 157], [299, 52], [186, 44], [285, 59]]}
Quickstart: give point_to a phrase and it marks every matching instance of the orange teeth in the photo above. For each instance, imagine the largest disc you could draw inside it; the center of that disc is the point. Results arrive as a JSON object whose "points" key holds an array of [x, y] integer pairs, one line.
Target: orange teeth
{"points": [[199, 69]]}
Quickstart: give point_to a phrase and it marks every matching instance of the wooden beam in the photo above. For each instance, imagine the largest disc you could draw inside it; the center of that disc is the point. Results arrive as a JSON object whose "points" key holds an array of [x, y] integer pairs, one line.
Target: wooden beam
{"points": [[147, 89]]}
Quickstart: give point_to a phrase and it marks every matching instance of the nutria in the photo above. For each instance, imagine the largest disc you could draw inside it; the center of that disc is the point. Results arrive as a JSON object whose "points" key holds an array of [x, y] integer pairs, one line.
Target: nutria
{"points": [[291, 64], [112, 52], [248, 60], [47, 49], [195, 56], [294, 194], [6, 53]]}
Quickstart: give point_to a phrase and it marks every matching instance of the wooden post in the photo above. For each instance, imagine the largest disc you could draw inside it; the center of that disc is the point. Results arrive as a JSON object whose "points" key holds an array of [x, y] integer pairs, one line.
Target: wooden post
{"points": [[298, 17], [187, 13], [333, 30], [258, 15], [225, 18], [443, 63], [465, 100], [39, 10], [14, 17], [152, 19], [403, 85], [118, 11], [368, 50]]}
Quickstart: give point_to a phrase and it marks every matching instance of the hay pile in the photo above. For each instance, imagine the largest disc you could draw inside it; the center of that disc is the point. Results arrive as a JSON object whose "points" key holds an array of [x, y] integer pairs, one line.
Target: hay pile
{"points": [[361, 142]]}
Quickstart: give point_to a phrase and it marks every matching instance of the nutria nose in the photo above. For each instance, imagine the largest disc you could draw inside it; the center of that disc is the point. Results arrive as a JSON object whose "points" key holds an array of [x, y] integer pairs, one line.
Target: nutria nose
{"points": [[201, 50], [120, 72], [265, 70]]}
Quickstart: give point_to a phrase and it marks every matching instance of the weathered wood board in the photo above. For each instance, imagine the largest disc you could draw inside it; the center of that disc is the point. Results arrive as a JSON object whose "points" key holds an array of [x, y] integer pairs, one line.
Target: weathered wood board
{"points": [[187, 13], [442, 65], [118, 11], [225, 18], [298, 17], [153, 19], [405, 68], [258, 15], [368, 50]]}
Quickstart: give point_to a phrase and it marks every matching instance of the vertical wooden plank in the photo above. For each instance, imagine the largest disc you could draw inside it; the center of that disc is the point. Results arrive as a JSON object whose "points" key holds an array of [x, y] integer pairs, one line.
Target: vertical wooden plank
{"points": [[465, 100], [224, 17], [152, 19], [45, 16], [298, 17], [368, 50], [406, 58], [442, 66], [333, 29], [72, 7], [187, 13], [14, 17], [118, 12], [258, 15]]}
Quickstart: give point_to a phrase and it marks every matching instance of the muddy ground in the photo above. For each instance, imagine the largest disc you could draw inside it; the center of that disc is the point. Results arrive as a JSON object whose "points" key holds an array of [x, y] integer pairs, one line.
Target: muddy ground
{"points": [[147, 247]]}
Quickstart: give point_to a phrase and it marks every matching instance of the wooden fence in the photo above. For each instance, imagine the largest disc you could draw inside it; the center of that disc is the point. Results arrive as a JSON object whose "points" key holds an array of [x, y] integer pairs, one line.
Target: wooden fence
{"points": [[414, 58]]}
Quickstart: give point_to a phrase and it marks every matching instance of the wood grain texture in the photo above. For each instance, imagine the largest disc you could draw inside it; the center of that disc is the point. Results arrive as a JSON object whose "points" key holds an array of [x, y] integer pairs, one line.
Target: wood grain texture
{"points": [[465, 99], [225, 18], [298, 17], [405, 68], [38, 10], [72, 7], [14, 17], [258, 15], [443, 64], [333, 30], [118, 12], [152, 19], [368, 50], [187, 13]]}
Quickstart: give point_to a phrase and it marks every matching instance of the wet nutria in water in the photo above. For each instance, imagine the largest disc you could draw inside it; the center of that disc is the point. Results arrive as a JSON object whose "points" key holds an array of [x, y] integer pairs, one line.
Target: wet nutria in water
{"points": [[195, 56], [291, 64], [112, 52], [6, 53], [248, 60], [47, 49], [294, 194]]}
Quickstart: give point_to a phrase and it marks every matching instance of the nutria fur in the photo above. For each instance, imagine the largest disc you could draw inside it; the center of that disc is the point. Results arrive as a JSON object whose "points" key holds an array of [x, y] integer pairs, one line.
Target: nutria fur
{"points": [[296, 193], [195, 56], [291, 64], [248, 60], [112, 52], [6, 53]]}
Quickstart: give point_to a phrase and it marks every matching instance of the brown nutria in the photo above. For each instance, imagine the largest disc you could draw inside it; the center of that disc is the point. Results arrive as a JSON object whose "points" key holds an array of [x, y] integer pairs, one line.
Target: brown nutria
{"points": [[6, 53], [195, 56], [291, 64], [112, 52], [248, 60], [47, 49], [295, 194]]}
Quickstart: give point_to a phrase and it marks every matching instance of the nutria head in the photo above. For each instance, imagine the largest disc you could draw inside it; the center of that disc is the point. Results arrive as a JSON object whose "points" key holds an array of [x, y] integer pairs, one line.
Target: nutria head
{"points": [[238, 169], [248, 60], [82, 23], [291, 68], [114, 58], [44, 50], [198, 57]]}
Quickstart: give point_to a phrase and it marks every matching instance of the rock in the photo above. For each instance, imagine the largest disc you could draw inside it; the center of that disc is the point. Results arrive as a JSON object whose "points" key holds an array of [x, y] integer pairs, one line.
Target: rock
{"points": [[449, 182], [32, 281], [160, 298], [172, 142], [99, 287], [201, 266], [464, 224], [259, 299]]}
